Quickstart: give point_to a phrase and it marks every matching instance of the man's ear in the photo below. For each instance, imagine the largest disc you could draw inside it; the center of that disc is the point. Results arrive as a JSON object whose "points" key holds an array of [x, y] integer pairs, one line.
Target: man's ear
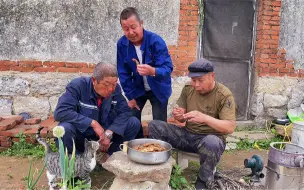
{"points": [[142, 23]]}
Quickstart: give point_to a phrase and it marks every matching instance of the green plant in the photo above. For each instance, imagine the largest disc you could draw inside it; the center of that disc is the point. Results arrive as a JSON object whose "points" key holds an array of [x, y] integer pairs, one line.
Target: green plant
{"points": [[67, 163], [31, 182], [22, 148], [177, 181], [264, 144]]}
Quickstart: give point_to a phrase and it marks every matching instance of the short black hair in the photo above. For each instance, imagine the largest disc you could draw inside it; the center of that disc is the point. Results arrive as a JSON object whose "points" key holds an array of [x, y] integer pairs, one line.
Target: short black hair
{"points": [[128, 12]]}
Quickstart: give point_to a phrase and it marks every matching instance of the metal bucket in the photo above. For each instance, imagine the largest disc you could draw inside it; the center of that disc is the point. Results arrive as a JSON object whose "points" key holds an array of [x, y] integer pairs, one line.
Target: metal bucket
{"points": [[284, 168], [297, 133]]}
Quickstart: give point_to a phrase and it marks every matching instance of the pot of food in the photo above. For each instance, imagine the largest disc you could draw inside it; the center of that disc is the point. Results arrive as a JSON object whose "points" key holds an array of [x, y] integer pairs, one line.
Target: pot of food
{"points": [[148, 151]]}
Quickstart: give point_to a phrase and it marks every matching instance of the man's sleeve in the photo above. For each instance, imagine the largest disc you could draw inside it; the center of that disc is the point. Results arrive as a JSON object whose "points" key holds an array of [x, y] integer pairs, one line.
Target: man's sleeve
{"points": [[66, 110], [182, 100], [227, 111], [163, 62], [124, 75], [123, 114]]}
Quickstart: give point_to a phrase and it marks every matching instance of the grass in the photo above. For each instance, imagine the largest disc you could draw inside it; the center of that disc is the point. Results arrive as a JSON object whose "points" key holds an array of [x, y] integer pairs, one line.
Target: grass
{"points": [[264, 144], [23, 149]]}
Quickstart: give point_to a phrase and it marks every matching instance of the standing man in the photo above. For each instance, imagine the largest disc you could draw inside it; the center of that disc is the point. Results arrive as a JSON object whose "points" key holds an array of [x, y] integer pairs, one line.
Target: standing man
{"points": [[208, 108], [94, 108], [144, 67]]}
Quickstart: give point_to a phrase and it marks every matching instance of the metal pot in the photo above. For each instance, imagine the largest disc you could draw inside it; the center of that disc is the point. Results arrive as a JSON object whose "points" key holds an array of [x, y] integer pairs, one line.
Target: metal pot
{"points": [[147, 157]]}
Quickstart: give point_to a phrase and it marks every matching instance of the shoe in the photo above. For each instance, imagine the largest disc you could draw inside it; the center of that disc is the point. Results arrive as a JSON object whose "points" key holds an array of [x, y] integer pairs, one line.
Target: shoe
{"points": [[200, 184]]}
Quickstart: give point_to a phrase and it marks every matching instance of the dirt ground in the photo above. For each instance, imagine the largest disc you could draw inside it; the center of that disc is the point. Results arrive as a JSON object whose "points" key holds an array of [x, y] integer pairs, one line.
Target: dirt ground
{"points": [[15, 169]]}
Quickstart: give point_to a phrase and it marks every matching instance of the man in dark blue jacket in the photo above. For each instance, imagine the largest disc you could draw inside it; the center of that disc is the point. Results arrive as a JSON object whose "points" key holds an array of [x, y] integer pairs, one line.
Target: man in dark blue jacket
{"points": [[144, 66], [94, 108]]}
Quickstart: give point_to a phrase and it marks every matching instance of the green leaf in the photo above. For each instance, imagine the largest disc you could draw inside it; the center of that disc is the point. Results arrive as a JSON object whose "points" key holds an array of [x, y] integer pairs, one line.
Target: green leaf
{"points": [[183, 180]]}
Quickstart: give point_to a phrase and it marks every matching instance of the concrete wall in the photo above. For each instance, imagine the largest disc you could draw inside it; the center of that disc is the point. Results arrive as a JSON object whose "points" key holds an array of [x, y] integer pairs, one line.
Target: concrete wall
{"points": [[292, 31], [81, 31]]}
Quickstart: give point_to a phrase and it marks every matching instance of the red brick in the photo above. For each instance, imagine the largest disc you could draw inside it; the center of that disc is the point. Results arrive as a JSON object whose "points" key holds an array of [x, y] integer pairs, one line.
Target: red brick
{"points": [[8, 63], [22, 69], [30, 63], [284, 70], [18, 118], [276, 3], [3, 149], [4, 138], [76, 65], [49, 124], [189, 7], [68, 70], [32, 121], [45, 69], [4, 68], [189, 28], [276, 9], [187, 18], [293, 74], [6, 143], [54, 64], [273, 74], [289, 65], [86, 70], [280, 65], [275, 27], [275, 18], [7, 124]]}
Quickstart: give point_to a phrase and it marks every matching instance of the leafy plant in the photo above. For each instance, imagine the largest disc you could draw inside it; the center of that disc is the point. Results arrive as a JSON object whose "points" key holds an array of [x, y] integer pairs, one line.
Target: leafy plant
{"points": [[177, 181], [31, 182], [264, 144], [22, 148]]}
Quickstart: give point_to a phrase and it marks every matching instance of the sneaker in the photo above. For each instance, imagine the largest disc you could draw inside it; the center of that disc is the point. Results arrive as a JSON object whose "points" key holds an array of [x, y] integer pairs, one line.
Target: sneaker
{"points": [[200, 184]]}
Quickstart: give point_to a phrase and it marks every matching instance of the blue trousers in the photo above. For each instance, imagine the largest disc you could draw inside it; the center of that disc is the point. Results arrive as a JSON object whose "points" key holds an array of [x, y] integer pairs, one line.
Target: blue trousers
{"points": [[131, 130], [159, 110]]}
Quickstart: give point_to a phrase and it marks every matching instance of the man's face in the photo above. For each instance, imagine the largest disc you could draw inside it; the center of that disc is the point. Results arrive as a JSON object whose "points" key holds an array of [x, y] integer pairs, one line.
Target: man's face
{"points": [[133, 29], [105, 87], [203, 84]]}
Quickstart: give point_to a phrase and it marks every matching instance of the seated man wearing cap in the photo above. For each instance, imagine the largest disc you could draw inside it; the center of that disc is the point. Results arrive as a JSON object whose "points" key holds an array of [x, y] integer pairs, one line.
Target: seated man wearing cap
{"points": [[208, 109]]}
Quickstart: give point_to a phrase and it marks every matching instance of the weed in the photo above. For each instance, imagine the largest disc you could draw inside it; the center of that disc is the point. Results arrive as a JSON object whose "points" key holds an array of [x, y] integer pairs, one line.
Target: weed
{"points": [[177, 181], [22, 148], [10, 176], [247, 144]]}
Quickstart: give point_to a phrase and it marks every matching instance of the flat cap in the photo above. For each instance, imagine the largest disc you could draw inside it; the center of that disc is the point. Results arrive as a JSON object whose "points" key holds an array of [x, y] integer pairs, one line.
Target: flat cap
{"points": [[200, 67]]}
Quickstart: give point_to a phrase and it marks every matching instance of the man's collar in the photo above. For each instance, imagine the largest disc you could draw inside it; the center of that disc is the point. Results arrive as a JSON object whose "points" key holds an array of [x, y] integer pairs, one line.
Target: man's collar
{"points": [[93, 94]]}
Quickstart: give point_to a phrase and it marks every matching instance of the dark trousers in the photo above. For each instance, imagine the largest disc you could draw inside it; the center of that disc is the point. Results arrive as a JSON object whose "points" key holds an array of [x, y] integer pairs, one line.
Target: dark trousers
{"points": [[132, 128], [209, 147], [159, 110]]}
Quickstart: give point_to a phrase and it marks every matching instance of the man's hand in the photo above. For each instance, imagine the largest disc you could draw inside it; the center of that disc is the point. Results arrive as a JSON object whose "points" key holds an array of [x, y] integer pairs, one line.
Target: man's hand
{"points": [[98, 129], [196, 117], [146, 70], [178, 114], [132, 104], [104, 144]]}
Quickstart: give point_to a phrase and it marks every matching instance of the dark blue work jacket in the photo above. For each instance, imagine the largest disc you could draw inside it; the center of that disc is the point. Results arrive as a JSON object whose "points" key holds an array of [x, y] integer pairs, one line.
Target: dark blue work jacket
{"points": [[155, 53], [78, 106]]}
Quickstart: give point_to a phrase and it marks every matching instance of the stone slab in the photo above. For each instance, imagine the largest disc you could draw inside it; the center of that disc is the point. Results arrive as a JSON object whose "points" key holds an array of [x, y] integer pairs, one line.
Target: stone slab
{"points": [[120, 184], [124, 168]]}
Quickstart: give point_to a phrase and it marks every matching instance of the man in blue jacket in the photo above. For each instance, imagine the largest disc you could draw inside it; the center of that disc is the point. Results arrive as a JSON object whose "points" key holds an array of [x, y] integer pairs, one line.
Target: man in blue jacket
{"points": [[144, 66], [94, 108]]}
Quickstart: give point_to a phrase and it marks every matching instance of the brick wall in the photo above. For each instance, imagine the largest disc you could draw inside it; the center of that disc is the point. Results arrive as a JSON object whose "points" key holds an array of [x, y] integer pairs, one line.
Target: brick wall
{"points": [[184, 52], [46, 66], [269, 58]]}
